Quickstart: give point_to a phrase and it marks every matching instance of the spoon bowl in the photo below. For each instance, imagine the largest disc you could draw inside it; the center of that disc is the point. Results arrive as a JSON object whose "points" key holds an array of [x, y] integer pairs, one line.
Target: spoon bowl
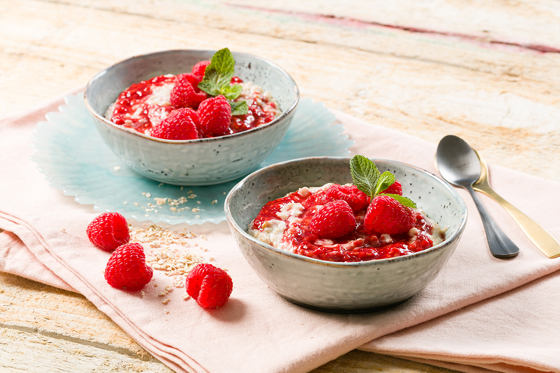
{"points": [[459, 164]]}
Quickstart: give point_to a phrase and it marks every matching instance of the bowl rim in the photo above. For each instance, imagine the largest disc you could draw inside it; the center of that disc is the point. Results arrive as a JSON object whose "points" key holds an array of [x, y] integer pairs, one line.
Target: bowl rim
{"points": [[132, 132], [375, 262]]}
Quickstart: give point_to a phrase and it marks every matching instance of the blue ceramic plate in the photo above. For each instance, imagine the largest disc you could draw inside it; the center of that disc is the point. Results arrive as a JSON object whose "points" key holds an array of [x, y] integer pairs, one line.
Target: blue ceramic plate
{"points": [[74, 158]]}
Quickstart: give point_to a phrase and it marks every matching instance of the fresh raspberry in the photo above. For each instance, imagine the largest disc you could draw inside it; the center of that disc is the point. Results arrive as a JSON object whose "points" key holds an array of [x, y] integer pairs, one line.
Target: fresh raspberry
{"points": [[108, 231], [317, 198], [200, 68], [395, 188], [185, 93], [210, 286], [127, 269], [215, 116], [236, 80], [349, 193], [387, 215], [334, 220], [179, 125]]}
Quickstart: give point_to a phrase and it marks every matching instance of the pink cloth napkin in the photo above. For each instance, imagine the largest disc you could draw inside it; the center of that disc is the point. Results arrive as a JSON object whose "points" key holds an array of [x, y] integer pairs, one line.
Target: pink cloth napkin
{"points": [[458, 319]]}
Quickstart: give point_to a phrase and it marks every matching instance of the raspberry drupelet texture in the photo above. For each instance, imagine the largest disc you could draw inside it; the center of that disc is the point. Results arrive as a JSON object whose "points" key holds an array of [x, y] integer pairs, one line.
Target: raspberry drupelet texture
{"points": [[387, 215], [336, 219], [185, 93], [349, 193], [127, 268], [200, 68], [215, 116], [181, 124], [210, 286], [395, 188], [108, 231]]}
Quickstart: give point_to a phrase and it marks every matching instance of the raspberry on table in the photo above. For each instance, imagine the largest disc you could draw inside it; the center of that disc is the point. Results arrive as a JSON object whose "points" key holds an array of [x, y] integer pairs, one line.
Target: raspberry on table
{"points": [[200, 68], [395, 188], [386, 215], [181, 124], [186, 93], [349, 193], [215, 116], [336, 219], [127, 268], [210, 286], [108, 231]]}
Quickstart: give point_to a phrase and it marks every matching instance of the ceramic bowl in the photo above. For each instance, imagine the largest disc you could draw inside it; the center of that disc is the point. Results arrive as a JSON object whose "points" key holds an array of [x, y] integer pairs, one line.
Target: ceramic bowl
{"points": [[343, 287], [191, 162]]}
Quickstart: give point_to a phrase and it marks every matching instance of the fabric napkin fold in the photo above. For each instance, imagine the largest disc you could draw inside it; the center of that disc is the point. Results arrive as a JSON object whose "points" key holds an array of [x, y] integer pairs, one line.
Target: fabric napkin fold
{"points": [[258, 331]]}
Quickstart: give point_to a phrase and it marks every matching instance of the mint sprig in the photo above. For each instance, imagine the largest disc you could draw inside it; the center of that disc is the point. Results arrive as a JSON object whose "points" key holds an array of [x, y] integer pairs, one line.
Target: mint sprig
{"points": [[217, 81], [369, 180]]}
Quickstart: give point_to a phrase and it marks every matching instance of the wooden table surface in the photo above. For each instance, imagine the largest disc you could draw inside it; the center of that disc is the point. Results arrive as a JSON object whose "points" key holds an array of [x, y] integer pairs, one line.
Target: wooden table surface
{"points": [[488, 71]]}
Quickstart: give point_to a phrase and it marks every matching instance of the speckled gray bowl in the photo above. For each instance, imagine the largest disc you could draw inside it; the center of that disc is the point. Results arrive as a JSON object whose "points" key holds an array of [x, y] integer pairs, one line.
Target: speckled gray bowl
{"points": [[191, 162], [343, 287]]}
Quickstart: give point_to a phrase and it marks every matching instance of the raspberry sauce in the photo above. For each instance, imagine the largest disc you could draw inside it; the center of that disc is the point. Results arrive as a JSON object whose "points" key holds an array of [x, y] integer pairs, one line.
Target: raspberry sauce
{"points": [[146, 104], [356, 246]]}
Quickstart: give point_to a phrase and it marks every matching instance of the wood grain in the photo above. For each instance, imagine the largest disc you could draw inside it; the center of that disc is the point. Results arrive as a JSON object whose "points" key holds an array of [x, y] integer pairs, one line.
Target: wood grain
{"points": [[486, 71]]}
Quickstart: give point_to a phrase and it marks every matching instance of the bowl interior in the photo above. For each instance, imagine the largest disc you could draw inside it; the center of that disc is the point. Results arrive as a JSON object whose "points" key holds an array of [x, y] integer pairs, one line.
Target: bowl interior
{"points": [[437, 199], [106, 86]]}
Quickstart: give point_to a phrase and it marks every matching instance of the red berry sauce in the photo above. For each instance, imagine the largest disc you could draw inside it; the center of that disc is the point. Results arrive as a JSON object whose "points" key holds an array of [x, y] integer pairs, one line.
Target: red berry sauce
{"points": [[356, 246], [134, 110]]}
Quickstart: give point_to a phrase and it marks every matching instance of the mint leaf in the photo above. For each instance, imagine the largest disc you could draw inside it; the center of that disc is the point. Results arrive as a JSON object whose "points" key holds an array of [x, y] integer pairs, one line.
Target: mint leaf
{"points": [[209, 87], [364, 174], [231, 92], [368, 179], [221, 68], [385, 181], [402, 200], [217, 80], [239, 107]]}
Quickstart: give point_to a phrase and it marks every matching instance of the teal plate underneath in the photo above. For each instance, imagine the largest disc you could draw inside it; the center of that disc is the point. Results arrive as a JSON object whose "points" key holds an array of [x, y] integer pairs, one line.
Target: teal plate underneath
{"points": [[74, 158]]}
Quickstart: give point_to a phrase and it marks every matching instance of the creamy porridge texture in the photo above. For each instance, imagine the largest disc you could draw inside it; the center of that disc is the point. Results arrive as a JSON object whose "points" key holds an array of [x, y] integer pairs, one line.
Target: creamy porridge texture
{"points": [[285, 224], [367, 220], [195, 104]]}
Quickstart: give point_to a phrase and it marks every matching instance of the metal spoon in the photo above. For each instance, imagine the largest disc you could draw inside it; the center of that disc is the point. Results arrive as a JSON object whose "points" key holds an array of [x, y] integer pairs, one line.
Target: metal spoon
{"points": [[458, 164], [540, 237]]}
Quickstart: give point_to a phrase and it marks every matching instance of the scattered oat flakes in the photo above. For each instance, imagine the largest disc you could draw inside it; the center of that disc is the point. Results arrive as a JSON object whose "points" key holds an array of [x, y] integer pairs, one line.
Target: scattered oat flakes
{"points": [[214, 202], [195, 209], [186, 296], [160, 201], [165, 301], [166, 251]]}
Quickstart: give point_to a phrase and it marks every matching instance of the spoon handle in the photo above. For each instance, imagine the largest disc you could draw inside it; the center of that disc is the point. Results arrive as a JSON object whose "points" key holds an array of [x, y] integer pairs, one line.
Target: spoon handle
{"points": [[500, 244], [540, 237]]}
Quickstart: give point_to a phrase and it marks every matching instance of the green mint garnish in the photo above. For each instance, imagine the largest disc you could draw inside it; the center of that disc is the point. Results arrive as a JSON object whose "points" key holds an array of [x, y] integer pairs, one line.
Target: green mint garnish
{"points": [[369, 180], [239, 107], [217, 81]]}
